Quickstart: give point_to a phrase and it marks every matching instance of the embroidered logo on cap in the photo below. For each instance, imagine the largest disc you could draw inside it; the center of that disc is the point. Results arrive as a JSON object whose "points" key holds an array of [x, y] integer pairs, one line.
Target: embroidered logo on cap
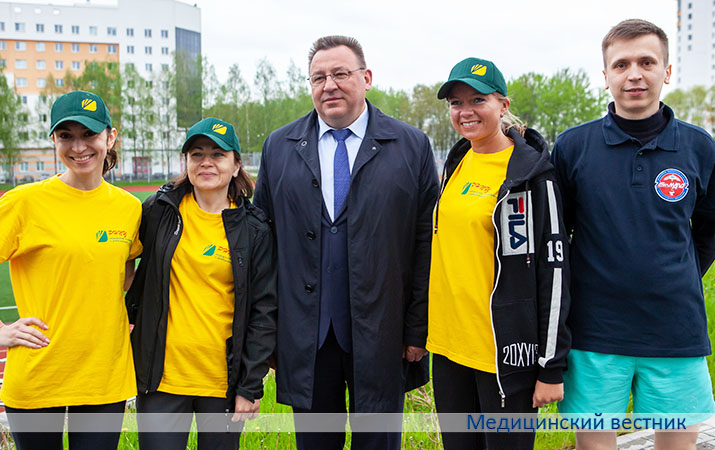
{"points": [[89, 104], [671, 185], [479, 69], [218, 128]]}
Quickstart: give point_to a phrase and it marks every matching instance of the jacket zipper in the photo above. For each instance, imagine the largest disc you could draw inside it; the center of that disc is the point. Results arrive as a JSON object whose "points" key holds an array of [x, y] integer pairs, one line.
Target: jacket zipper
{"points": [[491, 297], [156, 335]]}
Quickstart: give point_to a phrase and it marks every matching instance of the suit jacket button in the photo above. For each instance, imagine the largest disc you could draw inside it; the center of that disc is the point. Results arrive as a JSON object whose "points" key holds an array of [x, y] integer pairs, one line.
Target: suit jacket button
{"points": [[315, 182], [310, 235], [308, 288], [334, 230]]}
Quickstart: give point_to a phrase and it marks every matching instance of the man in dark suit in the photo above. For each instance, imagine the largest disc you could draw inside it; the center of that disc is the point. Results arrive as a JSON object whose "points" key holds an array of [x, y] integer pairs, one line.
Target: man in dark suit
{"points": [[350, 192]]}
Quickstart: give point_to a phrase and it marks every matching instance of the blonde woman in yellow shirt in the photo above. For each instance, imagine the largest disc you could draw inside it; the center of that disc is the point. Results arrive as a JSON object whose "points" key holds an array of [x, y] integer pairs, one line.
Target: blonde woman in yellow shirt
{"points": [[498, 294], [68, 240], [205, 298]]}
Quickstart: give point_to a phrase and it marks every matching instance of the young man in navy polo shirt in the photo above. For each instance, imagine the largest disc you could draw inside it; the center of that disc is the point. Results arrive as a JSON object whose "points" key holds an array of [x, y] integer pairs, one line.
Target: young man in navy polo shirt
{"points": [[639, 194]]}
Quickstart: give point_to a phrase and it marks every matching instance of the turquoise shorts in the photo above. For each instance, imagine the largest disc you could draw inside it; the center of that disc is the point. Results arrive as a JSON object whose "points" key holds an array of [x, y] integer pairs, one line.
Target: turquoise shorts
{"points": [[600, 383]]}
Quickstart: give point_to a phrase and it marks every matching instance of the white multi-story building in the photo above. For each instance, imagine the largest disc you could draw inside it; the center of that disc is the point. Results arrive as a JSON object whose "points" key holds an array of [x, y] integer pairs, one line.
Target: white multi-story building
{"points": [[40, 43], [696, 43]]}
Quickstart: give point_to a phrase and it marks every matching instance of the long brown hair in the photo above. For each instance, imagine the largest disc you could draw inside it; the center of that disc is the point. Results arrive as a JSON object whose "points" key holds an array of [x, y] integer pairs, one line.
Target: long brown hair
{"points": [[240, 186]]}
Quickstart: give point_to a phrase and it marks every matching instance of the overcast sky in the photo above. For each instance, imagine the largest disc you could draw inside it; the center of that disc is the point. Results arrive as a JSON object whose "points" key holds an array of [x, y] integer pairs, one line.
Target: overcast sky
{"points": [[412, 42], [418, 41]]}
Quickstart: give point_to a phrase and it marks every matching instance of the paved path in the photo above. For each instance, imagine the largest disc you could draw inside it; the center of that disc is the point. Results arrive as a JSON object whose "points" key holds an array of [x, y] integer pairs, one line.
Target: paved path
{"points": [[643, 440]]}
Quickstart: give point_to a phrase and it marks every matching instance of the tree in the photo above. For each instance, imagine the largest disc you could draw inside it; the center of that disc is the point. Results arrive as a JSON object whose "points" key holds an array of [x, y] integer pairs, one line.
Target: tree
{"points": [[210, 85], [431, 115], [10, 127], [165, 112], [392, 102], [695, 106], [553, 104], [188, 88]]}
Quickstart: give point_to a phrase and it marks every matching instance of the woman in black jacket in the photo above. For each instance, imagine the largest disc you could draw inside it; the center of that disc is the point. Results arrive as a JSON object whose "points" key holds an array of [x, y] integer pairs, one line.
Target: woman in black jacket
{"points": [[204, 298], [498, 278]]}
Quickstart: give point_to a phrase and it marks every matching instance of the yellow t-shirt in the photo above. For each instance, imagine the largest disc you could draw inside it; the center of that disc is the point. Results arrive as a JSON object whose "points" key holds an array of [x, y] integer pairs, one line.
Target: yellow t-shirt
{"points": [[67, 250], [462, 271], [200, 306]]}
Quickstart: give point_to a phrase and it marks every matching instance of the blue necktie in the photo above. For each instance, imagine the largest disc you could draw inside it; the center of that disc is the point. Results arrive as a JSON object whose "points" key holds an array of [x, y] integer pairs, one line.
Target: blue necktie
{"points": [[341, 170]]}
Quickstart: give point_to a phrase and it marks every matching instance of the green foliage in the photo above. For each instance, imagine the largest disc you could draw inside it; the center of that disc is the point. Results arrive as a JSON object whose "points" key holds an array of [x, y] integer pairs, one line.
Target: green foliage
{"points": [[695, 105], [553, 104], [431, 115], [11, 126]]}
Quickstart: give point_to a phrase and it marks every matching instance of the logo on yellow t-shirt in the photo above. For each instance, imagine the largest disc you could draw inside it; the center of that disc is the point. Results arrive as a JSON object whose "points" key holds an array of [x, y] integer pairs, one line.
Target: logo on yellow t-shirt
{"points": [[89, 104], [218, 128], [474, 188], [217, 251], [479, 69], [113, 236]]}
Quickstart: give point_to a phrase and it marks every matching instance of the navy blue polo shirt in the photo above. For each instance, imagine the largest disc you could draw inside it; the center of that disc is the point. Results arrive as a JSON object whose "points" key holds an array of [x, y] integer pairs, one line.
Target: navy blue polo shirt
{"points": [[635, 278]]}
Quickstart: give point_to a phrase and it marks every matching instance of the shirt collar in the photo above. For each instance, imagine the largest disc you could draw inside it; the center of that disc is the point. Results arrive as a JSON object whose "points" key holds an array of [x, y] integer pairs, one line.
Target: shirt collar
{"points": [[666, 140], [358, 128]]}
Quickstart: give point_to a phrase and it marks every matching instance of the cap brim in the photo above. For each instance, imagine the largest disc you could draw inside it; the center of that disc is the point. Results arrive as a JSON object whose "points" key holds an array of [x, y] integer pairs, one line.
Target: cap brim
{"points": [[93, 124], [476, 84], [220, 142]]}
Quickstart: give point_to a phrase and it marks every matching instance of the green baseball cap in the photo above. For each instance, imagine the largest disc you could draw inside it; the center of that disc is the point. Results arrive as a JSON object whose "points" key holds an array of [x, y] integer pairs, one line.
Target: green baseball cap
{"points": [[480, 74], [222, 133], [83, 107]]}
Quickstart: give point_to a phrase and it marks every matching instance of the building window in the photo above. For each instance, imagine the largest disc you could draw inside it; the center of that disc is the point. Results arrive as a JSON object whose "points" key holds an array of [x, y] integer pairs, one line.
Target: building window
{"points": [[130, 49], [59, 82], [93, 30], [93, 48], [690, 16], [40, 27], [75, 29], [130, 32], [690, 47], [20, 46], [21, 64], [40, 166], [43, 117], [41, 82], [165, 34], [147, 50], [2, 45], [59, 47], [690, 6], [129, 65], [147, 66], [165, 50], [39, 46], [149, 83], [111, 48], [58, 29], [40, 64], [2, 26], [75, 48], [23, 166], [75, 65], [164, 67], [111, 31], [690, 26], [23, 99], [20, 26], [147, 32], [59, 65], [21, 82], [690, 37], [3, 63]]}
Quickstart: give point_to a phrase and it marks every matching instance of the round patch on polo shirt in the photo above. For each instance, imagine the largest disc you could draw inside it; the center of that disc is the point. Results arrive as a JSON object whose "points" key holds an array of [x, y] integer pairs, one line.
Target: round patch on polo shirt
{"points": [[671, 185]]}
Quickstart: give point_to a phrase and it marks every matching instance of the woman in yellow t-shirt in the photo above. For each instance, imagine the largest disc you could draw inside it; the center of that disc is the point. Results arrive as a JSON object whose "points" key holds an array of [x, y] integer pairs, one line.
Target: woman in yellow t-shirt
{"points": [[205, 299], [498, 294], [68, 239]]}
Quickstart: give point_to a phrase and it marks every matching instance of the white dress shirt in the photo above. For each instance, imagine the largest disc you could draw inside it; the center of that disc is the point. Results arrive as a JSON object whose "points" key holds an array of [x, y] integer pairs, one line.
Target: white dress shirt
{"points": [[326, 153]]}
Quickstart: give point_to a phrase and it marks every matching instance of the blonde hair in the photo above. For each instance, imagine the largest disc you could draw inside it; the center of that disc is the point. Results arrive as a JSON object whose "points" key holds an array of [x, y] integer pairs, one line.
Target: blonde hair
{"points": [[510, 120]]}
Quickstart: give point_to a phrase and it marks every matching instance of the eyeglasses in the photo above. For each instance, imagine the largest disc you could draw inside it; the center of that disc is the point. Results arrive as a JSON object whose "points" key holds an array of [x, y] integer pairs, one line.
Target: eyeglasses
{"points": [[338, 77]]}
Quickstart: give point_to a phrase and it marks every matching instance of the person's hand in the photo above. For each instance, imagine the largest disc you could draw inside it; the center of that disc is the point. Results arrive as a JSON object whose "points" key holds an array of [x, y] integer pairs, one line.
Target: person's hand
{"points": [[412, 353], [245, 409], [22, 332], [545, 393]]}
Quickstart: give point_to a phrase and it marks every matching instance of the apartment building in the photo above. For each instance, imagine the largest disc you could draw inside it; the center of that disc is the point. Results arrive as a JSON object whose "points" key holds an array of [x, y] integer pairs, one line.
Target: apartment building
{"points": [[696, 43], [40, 43]]}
